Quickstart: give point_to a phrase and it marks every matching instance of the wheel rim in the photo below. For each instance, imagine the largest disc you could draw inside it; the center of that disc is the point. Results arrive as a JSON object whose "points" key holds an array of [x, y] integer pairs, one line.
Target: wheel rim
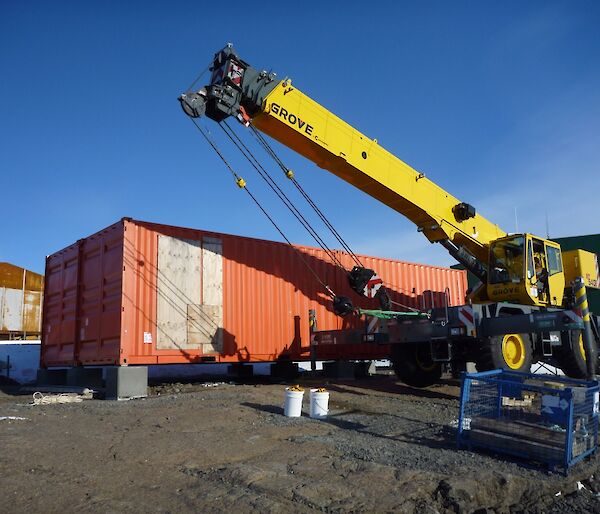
{"points": [[424, 362], [513, 350]]}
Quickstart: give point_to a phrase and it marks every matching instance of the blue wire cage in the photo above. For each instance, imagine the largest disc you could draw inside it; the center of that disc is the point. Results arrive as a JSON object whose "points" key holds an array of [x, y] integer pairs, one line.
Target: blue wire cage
{"points": [[545, 418]]}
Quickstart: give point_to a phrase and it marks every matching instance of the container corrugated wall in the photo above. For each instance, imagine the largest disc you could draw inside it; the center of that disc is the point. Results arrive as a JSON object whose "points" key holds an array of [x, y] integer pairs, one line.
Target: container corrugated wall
{"points": [[20, 302], [152, 294]]}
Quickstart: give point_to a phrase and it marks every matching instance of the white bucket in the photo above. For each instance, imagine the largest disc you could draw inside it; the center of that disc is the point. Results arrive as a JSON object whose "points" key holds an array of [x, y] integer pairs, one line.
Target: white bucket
{"points": [[319, 403], [293, 403]]}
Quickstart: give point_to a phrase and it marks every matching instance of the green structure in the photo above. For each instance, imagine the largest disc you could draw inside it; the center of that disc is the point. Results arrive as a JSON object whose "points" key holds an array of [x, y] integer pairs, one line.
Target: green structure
{"points": [[591, 243]]}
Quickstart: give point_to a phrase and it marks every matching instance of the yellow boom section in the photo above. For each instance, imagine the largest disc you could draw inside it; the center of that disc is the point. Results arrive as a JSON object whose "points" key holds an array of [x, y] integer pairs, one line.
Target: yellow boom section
{"points": [[303, 125]]}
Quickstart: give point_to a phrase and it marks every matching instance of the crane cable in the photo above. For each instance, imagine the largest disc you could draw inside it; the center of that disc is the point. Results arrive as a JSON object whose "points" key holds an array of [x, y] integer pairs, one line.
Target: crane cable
{"points": [[198, 78], [290, 175], [242, 185], [279, 192]]}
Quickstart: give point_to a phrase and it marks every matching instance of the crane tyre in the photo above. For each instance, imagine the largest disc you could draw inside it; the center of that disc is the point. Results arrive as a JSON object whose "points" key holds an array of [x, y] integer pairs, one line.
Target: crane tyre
{"points": [[570, 355], [512, 352], [413, 365]]}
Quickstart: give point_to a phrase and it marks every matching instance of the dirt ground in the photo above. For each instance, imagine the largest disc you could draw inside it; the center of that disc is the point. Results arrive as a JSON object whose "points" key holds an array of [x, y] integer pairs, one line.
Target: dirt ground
{"points": [[190, 448]]}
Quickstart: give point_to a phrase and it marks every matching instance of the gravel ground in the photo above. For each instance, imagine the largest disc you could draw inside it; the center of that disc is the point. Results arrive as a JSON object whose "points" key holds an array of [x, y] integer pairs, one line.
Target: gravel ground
{"points": [[191, 448]]}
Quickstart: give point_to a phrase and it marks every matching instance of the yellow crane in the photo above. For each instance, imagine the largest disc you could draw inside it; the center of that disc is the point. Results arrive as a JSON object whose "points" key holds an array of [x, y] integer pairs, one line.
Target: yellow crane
{"points": [[526, 281]]}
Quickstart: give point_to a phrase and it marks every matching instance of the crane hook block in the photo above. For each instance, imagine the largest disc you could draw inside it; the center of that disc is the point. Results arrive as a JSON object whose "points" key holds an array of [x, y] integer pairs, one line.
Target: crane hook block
{"points": [[383, 297], [364, 281], [342, 306]]}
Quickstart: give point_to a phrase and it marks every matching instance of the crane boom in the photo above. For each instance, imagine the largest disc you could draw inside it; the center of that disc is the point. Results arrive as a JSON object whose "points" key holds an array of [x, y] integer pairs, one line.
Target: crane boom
{"points": [[297, 121]]}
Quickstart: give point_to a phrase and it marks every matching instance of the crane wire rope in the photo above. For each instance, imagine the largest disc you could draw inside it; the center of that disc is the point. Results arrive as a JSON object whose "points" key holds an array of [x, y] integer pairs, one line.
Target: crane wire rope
{"points": [[270, 151], [279, 192], [275, 187], [241, 183], [198, 78]]}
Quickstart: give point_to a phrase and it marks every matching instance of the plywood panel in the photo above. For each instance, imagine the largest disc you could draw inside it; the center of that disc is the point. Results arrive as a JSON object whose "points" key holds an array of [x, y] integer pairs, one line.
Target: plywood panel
{"points": [[212, 271], [212, 291], [178, 285], [205, 327]]}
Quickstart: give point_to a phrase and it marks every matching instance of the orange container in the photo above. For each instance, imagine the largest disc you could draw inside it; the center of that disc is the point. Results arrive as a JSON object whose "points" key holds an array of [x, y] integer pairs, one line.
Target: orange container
{"points": [[144, 293]]}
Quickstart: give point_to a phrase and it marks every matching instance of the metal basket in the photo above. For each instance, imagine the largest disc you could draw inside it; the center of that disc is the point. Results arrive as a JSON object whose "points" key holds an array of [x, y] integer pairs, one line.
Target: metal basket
{"points": [[544, 418]]}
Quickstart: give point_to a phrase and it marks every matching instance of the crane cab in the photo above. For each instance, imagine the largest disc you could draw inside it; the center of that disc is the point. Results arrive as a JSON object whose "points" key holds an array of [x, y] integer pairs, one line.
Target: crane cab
{"points": [[525, 269]]}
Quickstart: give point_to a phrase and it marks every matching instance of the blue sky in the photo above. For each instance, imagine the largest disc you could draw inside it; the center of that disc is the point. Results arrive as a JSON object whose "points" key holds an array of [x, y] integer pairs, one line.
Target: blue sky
{"points": [[498, 102]]}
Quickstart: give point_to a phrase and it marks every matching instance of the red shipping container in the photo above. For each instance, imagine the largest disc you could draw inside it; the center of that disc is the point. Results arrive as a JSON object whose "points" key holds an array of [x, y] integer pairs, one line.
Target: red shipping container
{"points": [[145, 293]]}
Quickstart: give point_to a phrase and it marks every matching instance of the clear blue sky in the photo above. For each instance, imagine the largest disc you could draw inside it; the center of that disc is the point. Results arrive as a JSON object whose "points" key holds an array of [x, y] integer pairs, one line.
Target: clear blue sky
{"points": [[498, 102]]}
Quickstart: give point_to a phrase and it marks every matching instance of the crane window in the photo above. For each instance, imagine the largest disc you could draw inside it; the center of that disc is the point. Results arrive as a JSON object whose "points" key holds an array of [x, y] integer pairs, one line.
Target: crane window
{"points": [[554, 260], [506, 263], [530, 261]]}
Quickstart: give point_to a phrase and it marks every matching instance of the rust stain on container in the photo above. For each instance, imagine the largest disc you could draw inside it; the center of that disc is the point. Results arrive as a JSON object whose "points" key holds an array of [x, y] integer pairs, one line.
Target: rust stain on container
{"points": [[20, 302], [145, 293]]}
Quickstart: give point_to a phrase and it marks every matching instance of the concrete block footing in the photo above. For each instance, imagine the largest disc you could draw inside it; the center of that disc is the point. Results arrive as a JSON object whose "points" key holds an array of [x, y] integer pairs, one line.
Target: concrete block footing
{"points": [[342, 370], [85, 377], [125, 382], [284, 369], [51, 377], [240, 370], [346, 370], [365, 369]]}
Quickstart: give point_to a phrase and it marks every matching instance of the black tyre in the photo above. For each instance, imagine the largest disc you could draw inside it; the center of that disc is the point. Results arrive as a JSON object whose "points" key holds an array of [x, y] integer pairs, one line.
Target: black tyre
{"points": [[414, 366], [570, 355], [509, 351]]}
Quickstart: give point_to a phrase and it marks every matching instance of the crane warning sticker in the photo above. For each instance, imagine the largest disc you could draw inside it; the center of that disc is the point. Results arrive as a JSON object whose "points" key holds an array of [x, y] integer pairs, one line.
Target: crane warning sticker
{"points": [[147, 337]]}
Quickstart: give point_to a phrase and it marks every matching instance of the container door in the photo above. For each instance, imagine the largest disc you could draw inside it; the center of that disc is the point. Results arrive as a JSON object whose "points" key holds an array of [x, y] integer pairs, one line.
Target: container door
{"points": [[59, 333], [189, 294]]}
